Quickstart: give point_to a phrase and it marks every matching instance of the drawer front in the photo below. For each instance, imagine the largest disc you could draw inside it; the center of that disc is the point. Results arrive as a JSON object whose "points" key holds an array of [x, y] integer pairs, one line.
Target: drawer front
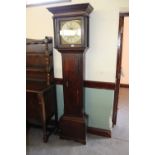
{"points": [[43, 76], [38, 60], [39, 48]]}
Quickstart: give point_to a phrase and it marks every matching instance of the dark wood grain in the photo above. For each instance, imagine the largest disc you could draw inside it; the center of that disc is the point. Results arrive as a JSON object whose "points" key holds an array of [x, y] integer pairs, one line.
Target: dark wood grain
{"points": [[71, 10], [99, 132], [99, 85], [124, 14], [124, 85], [118, 66], [73, 118], [41, 103], [39, 60], [73, 83], [73, 122], [73, 128]]}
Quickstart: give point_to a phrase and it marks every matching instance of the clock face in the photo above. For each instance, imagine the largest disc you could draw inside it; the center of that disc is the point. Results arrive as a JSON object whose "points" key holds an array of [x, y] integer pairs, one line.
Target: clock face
{"points": [[70, 32]]}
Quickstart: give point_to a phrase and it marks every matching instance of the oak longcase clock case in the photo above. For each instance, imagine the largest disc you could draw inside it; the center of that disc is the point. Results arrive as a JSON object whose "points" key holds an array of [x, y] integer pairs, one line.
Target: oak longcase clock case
{"points": [[71, 37]]}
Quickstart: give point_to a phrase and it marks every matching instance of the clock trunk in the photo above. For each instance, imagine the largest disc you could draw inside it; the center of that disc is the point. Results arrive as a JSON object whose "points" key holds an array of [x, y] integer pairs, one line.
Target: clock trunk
{"points": [[73, 83]]}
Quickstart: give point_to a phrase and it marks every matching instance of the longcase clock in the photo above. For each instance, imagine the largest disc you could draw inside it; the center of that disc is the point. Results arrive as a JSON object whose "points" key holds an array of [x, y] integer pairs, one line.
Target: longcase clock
{"points": [[71, 37]]}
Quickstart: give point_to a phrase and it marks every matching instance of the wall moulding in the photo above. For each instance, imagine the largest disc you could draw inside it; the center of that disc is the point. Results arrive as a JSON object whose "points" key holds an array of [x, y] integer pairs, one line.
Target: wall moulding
{"points": [[92, 84]]}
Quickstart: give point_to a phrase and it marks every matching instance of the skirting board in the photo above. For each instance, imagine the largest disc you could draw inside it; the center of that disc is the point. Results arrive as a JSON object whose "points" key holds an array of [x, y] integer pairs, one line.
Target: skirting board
{"points": [[92, 84], [99, 132]]}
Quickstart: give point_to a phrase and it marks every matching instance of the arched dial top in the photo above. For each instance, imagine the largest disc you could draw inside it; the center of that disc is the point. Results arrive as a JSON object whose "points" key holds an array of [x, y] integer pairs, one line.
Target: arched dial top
{"points": [[70, 32]]}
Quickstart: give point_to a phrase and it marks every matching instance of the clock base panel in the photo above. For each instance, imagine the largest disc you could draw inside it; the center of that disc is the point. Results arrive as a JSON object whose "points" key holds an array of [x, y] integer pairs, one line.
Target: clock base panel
{"points": [[73, 128]]}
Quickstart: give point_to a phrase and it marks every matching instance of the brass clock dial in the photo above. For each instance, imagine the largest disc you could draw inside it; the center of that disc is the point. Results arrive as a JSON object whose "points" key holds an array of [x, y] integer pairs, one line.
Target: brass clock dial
{"points": [[70, 32]]}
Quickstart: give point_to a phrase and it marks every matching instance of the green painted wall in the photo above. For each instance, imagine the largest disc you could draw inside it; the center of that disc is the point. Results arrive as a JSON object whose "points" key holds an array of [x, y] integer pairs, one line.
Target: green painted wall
{"points": [[98, 106], [60, 100]]}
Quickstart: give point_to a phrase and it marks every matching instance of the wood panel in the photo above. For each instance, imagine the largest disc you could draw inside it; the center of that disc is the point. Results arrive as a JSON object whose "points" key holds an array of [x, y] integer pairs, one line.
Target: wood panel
{"points": [[92, 84], [99, 85], [73, 83], [118, 66], [124, 85], [99, 132]]}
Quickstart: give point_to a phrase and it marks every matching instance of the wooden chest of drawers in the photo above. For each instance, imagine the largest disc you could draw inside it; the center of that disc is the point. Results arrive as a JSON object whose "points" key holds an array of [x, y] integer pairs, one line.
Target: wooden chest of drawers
{"points": [[41, 103], [39, 60]]}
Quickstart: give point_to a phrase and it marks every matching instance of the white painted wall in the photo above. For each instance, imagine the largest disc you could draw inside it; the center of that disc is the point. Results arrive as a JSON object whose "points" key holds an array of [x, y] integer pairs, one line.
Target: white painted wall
{"points": [[125, 53], [101, 56]]}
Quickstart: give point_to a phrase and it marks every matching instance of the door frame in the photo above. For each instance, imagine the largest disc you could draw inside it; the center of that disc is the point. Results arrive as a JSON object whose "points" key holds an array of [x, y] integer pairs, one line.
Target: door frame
{"points": [[118, 65]]}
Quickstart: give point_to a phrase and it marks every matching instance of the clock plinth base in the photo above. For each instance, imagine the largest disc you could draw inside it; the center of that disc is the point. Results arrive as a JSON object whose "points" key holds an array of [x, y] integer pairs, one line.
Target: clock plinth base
{"points": [[73, 128]]}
